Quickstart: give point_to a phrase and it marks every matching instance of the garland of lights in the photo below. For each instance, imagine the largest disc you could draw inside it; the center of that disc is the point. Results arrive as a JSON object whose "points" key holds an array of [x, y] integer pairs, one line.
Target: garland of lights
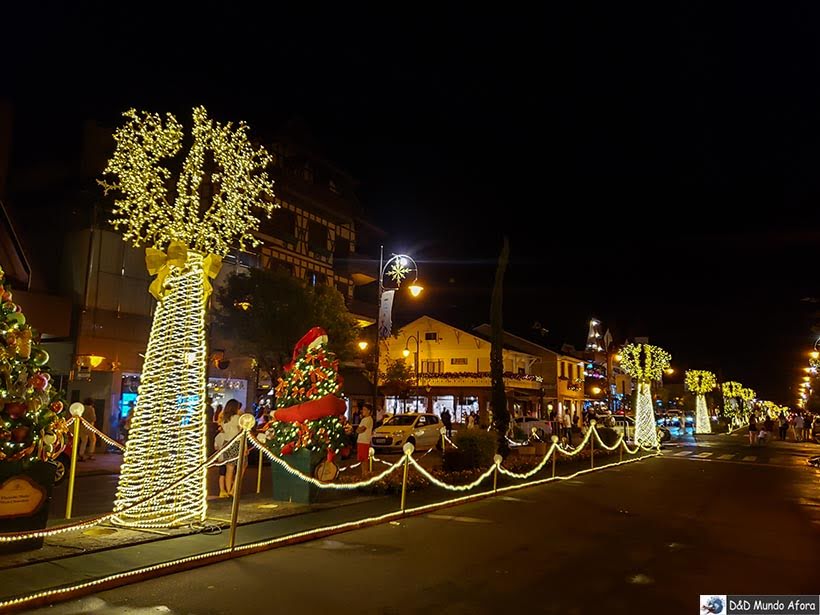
{"points": [[253, 547], [645, 363], [476, 375], [31, 426], [700, 382], [167, 440]]}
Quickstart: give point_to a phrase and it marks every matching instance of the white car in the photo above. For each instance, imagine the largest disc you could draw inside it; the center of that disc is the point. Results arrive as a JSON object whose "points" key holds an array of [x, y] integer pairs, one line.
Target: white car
{"points": [[423, 430], [527, 423]]}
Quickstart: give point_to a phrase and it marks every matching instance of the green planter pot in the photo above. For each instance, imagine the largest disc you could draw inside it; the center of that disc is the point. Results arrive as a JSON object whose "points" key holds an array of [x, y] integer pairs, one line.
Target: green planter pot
{"points": [[32, 491], [290, 488]]}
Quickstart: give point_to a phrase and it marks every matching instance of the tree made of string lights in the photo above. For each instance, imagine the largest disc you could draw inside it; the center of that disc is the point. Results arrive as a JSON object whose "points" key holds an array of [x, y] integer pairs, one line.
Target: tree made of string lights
{"points": [[645, 363], [700, 382], [221, 184]]}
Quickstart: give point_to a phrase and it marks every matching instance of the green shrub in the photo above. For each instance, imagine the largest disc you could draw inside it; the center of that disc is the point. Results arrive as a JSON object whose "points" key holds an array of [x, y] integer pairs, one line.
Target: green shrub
{"points": [[476, 449]]}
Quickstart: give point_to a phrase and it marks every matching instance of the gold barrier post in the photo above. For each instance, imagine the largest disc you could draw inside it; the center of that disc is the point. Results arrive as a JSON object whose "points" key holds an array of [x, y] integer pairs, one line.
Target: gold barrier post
{"points": [[371, 452], [443, 432], [497, 461], [408, 450], [554, 453], [592, 445], [76, 410], [246, 422], [259, 473]]}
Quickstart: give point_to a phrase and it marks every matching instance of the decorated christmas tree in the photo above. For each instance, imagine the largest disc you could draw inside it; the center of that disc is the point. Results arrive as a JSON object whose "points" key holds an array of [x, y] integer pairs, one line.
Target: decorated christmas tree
{"points": [[308, 409], [31, 426]]}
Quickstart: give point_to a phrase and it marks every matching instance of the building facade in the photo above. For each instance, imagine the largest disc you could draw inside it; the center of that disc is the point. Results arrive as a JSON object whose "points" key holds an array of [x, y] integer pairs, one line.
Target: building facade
{"points": [[450, 368]]}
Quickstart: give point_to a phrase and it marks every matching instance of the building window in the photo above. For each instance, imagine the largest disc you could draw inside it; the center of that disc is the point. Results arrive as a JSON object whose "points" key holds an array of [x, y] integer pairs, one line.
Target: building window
{"points": [[317, 237], [521, 371], [281, 224], [307, 174], [431, 336], [458, 361], [342, 248], [563, 370], [315, 279], [277, 265], [429, 366]]}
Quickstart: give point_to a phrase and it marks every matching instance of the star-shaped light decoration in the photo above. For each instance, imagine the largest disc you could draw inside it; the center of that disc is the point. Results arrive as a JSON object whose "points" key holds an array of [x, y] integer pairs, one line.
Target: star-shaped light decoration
{"points": [[398, 271]]}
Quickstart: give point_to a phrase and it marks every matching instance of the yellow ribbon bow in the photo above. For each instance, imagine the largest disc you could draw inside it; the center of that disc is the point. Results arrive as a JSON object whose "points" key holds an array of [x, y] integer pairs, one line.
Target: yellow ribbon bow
{"points": [[159, 263]]}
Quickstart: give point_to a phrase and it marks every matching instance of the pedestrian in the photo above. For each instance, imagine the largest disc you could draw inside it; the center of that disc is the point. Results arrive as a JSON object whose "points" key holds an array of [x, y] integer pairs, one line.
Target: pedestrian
{"points": [[365, 433], [783, 425], [799, 424], [125, 424], [470, 420], [230, 428], [807, 422], [219, 443], [447, 421], [88, 439], [567, 422], [753, 431]]}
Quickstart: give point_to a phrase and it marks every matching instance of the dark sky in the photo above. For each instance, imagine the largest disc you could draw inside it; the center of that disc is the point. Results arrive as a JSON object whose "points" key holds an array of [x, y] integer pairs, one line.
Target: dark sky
{"points": [[655, 166]]}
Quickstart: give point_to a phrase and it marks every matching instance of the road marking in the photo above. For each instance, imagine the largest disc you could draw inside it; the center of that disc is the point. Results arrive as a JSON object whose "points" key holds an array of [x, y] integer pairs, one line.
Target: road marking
{"points": [[509, 498], [742, 463], [750, 458], [683, 453], [726, 456], [703, 455]]}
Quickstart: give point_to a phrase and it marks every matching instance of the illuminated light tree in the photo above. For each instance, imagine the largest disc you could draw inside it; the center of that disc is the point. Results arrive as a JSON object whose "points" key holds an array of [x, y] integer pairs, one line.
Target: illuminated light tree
{"points": [[185, 241], [308, 409], [645, 363], [701, 382], [32, 427], [748, 396], [731, 392]]}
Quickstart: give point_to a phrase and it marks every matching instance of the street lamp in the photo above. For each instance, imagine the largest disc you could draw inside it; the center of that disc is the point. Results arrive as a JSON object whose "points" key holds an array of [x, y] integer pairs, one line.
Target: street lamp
{"points": [[398, 269], [406, 353]]}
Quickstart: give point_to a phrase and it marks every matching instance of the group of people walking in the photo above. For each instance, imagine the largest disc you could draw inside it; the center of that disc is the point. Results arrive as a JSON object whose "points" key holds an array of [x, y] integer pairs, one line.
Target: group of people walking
{"points": [[796, 427]]}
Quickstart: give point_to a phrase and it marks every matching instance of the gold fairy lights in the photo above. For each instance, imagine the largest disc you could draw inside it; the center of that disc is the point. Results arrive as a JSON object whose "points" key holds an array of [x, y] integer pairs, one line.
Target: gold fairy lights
{"points": [[221, 184], [238, 184], [644, 362], [700, 382]]}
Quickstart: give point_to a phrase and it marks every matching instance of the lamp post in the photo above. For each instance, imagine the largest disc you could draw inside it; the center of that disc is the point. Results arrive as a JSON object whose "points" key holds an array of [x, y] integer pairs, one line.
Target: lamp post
{"points": [[399, 267], [406, 353]]}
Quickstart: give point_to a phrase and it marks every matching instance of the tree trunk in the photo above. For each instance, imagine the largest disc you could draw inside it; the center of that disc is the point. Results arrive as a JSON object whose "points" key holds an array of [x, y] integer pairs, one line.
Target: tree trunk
{"points": [[167, 441], [646, 429], [501, 416], [702, 422]]}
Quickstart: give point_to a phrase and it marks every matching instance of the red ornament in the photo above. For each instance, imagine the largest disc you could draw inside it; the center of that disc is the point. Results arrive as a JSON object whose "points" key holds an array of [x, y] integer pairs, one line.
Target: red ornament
{"points": [[57, 406], [15, 409], [18, 434]]}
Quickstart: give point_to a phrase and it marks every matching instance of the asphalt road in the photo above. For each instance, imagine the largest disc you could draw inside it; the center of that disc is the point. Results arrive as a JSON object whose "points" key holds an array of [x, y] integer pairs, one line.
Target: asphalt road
{"points": [[647, 537]]}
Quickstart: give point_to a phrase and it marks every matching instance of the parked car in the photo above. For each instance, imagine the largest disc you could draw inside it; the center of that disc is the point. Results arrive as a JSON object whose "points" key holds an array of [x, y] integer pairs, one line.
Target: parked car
{"points": [[527, 423], [626, 425], [423, 430], [63, 461]]}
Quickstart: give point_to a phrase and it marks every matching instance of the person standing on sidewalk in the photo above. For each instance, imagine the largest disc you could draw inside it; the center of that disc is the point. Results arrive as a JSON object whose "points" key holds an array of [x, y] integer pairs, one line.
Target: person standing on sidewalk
{"points": [[88, 437], [365, 431]]}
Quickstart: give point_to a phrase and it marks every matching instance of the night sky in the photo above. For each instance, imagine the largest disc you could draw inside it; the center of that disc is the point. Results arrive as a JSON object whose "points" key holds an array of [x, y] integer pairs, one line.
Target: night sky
{"points": [[655, 167]]}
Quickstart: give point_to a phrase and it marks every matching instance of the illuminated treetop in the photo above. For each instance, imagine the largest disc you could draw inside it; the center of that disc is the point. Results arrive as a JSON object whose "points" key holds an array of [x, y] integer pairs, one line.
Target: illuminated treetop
{"points": [[747, 394], [700, 381], [208, 214], [732, 389], [644, 362]]}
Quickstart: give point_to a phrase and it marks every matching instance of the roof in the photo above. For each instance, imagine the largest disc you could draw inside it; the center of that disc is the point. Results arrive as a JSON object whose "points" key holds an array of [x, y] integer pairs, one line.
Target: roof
{"points": [[522, 344]]}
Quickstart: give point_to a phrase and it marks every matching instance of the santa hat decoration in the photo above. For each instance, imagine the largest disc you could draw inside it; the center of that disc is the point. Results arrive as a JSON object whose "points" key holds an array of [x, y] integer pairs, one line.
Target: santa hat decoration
{"points": [[313, 338]]}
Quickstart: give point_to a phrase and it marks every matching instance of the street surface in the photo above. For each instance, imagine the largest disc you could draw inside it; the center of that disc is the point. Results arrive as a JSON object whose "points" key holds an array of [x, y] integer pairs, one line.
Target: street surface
{"points": [[716, 516]]}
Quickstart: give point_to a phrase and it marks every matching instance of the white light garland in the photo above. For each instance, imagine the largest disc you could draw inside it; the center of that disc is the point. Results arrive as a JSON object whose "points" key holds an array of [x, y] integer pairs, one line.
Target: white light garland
{"points": [[168, 432], [240, 550], [700, 382], [646, 428], [110, 441]]}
